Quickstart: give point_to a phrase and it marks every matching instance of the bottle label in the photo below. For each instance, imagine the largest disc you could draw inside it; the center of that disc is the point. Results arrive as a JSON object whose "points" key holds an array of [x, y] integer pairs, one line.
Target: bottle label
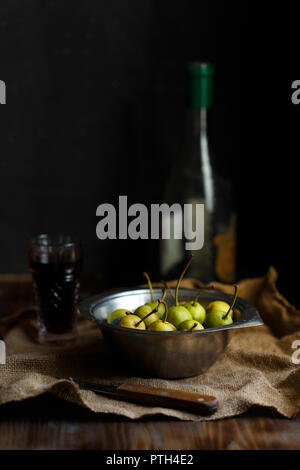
{"points": [[225, 252], [215, 260]]}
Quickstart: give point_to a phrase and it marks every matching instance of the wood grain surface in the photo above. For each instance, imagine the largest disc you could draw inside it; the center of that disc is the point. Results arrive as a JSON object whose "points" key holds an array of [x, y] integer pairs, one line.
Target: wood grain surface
{"points": [[49, 423]]}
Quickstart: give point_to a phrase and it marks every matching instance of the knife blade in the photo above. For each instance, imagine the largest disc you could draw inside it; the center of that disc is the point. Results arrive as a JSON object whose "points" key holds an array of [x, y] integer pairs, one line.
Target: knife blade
{"points": [[153, 396]]}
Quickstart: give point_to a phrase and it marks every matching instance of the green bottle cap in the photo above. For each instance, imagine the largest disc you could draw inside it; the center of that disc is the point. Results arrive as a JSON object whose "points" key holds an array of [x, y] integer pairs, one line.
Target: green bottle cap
{"points": [[200, 85]]}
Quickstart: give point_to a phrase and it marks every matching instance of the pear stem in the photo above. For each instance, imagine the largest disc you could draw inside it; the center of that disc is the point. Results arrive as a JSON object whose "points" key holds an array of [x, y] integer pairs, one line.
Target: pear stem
{"points": [[195, 324], [155, 310], [148, 314], [149, 285], [200, 292], [166, 311], [181, 277], [162, 301], [169, 289], [233, 302], [164, 293]]}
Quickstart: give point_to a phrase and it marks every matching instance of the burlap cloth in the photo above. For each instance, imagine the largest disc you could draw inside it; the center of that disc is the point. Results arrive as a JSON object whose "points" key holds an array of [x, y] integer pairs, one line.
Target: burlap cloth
{"points": [[256, 369]]}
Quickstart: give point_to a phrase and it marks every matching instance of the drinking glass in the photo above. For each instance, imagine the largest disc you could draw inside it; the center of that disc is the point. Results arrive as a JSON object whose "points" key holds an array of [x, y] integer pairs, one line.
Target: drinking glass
{"points": [[55, 264]]}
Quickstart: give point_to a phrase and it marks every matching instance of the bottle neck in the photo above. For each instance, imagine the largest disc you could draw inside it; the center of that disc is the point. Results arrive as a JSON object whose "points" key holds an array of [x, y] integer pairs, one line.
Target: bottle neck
{"points": [[197, 125], [203, 121], [198, 154]]}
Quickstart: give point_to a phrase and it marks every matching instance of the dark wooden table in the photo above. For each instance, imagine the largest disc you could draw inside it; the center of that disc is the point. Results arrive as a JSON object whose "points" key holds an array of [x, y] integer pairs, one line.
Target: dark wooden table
{"points": [[49, 423]]}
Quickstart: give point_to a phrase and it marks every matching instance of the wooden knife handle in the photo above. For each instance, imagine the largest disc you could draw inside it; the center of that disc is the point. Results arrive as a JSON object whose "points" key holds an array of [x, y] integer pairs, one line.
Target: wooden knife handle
{"points": [[169, 398]]}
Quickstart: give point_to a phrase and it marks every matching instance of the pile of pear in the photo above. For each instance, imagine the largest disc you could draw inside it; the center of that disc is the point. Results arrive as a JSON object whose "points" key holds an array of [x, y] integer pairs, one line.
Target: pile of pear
{"points": [[182, 316]]}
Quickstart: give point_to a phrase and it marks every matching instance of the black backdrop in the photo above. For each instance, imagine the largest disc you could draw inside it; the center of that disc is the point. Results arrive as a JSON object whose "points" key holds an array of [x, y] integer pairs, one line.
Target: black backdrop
{"points": [[95, 100]]}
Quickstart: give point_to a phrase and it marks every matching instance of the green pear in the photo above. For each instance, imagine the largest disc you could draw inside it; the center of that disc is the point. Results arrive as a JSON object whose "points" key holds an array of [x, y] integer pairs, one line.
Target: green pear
{"points": [[121, 312], [161, 325], [219, 305], [218, 318], [196, 310], [132, 321], [143, 311], [190, 325], [160, 312], [178, 314]]}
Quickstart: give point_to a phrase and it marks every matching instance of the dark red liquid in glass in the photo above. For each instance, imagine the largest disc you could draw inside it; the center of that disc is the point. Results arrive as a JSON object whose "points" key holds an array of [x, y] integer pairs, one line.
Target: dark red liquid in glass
{"points": [[56, 288]]}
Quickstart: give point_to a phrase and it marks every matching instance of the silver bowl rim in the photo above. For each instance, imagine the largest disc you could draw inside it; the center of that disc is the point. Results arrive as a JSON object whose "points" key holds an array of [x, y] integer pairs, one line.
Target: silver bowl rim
{"points": [[86, 308]]}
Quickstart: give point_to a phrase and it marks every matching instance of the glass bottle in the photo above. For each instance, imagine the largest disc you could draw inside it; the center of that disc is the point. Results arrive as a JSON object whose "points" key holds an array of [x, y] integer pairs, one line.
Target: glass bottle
{"points": [[195, 180]]}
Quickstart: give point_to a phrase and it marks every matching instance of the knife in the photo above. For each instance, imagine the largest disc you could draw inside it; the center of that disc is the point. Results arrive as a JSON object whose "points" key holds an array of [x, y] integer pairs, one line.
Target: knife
{"points": [[153, 396]]}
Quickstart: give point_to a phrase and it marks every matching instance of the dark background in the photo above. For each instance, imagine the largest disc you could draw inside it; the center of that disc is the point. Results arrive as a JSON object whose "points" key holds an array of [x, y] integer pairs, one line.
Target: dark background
{"points": [[95, 108]]}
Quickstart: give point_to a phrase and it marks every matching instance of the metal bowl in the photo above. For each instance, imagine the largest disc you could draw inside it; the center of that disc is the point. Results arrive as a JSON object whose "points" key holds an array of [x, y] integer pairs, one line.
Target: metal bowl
{"points": [[176, 354]]}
